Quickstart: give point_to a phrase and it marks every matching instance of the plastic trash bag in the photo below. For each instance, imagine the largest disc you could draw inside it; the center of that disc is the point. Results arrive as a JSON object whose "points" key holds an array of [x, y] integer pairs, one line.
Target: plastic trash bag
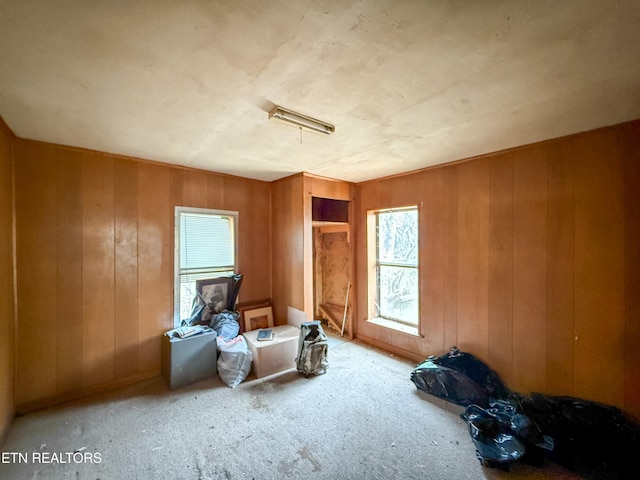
{"points": [[501, 435], [586, 437], [312, 349], [493, 440], [460, 378], [591, 438], [225, 324], [234, 362], [197, 306]]}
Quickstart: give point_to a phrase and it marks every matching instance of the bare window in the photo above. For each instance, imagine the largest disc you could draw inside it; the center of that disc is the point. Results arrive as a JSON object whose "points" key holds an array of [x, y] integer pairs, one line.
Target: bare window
{"points": [[393, 254]]}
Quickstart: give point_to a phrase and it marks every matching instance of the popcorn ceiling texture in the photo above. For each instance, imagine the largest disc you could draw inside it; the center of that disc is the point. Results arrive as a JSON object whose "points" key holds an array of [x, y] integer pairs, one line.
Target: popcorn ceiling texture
{"points": [[408, 84]]}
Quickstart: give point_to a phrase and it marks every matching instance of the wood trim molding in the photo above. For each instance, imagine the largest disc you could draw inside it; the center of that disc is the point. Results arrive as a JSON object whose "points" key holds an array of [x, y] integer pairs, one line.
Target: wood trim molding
{"points": [[5, 127], [83, 392]]}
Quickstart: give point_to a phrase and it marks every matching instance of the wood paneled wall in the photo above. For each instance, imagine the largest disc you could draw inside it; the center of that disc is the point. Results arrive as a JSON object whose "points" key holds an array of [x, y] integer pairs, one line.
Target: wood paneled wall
{"points": [[290, 247], [530, 259], [95, 239], [7, 339]]}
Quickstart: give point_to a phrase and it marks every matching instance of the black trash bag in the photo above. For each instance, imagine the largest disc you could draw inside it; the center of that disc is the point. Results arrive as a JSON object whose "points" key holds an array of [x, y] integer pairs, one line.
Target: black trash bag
{"points": [[596, 440], [494, 441], [460, 378], [502, 435]]}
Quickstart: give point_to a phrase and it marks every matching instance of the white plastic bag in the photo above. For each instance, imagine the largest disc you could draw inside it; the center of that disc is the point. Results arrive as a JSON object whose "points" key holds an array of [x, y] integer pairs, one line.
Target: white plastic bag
{"points": [[234, 362]]}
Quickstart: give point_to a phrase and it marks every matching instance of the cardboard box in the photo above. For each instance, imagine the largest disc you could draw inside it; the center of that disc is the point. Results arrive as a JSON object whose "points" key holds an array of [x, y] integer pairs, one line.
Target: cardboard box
{"points": [[274, 356]]}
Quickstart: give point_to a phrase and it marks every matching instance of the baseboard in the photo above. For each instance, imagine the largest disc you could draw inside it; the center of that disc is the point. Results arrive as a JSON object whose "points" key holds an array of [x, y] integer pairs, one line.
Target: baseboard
{"points": [[6, 426], [390, 348], [29, 407]]}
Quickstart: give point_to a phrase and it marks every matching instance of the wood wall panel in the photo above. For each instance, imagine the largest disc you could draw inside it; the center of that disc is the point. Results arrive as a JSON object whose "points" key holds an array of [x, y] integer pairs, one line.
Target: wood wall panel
{"points": [[329, 188], [473, 258], [69, 262], [195, 189], [37, 274], [236, 196], [176, 189], [560, 267], [366, 199], [529, 270], [629, 141], [126, 267], [98, 275], [501, 266], [215, 192], [451, 266], [541, 263], [599, 277], [254, 243], [434, 250], [95, 233], [155, 262], [288, 246], [7, 340]]}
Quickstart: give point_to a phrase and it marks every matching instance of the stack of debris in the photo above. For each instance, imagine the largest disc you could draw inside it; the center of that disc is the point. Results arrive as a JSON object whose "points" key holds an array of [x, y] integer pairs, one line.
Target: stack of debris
{"points": [[213, 306]]}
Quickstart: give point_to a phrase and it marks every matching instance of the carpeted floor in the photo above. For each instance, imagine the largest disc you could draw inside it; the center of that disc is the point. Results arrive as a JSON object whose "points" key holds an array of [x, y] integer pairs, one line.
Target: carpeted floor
{"points": [[363, 419]]}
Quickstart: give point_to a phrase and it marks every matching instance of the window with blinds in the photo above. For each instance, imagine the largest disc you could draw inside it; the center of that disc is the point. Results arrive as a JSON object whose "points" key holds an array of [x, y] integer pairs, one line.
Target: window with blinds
{"points": [[205, 248]]}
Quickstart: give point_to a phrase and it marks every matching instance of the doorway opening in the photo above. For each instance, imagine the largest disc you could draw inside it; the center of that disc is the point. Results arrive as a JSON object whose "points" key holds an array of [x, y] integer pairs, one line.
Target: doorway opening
{"points": [[332, 266]]}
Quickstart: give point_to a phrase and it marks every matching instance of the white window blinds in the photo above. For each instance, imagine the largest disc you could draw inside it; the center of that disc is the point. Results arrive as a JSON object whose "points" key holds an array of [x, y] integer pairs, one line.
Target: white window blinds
{"points": [[206, 243]]}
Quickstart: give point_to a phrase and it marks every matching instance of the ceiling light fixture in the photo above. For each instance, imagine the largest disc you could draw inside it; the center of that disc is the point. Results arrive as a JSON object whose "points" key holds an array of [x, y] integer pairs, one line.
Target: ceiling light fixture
{"points": [[301, 121]]}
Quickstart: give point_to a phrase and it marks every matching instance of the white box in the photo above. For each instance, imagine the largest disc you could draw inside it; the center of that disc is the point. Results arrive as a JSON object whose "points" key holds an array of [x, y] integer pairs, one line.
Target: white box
{"points": [[273, 356]]}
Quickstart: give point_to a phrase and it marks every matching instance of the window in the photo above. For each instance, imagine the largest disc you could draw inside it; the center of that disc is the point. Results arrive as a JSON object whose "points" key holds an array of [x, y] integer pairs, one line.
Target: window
{"points": [[393, 268], [205, 248]]}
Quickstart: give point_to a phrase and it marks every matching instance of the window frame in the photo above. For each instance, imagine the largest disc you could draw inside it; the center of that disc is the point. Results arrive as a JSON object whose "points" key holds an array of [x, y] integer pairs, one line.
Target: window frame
{"points": [[178, 211], [373, 278]]}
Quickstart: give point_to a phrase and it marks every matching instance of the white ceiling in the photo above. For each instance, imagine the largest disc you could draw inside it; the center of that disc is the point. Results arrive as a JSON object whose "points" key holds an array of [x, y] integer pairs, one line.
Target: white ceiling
{"points": [[407, 84]]}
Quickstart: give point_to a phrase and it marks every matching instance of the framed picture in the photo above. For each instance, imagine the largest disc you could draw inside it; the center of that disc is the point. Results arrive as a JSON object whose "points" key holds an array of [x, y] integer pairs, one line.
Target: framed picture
{"points": [[214, 293], [220, 293], [258, 318], [250, 305]]}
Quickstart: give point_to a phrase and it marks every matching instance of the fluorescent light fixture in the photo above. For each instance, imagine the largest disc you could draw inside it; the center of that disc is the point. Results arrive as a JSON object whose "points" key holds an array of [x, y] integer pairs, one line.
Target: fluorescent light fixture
{"points": [[301, 121]]}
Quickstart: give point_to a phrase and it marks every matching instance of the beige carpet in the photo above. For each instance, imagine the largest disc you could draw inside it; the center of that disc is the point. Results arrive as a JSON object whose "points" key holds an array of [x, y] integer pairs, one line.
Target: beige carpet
{"points": [[363, 419]]}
